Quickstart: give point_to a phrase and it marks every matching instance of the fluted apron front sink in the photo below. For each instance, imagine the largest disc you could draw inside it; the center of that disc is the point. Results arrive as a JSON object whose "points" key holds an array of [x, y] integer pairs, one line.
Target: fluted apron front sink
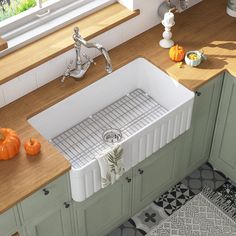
{"points": [[138, 106]]}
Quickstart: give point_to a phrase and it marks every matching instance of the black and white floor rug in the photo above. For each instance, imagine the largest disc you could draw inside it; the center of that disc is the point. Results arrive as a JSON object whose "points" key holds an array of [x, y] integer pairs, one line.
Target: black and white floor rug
{"points": [[172, 200], [206, 214]]}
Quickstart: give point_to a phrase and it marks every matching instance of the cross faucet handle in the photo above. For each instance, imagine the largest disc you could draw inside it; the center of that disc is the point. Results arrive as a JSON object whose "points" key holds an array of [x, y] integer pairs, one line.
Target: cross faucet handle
{"points": [[67, 72]]}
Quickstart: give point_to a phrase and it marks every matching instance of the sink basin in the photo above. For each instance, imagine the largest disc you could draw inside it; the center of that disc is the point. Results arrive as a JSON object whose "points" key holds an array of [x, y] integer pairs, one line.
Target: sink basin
{"points": [[138, 106]]}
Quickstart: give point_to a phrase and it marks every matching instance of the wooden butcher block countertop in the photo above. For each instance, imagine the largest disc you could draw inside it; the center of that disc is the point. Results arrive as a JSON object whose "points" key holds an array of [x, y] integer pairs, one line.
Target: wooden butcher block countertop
{"points": [[205, 26]]}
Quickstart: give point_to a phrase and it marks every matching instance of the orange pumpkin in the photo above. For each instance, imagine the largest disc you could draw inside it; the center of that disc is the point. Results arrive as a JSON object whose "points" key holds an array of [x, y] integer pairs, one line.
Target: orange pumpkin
{"points": [[176, 53], [32, 147], [9, 144]]}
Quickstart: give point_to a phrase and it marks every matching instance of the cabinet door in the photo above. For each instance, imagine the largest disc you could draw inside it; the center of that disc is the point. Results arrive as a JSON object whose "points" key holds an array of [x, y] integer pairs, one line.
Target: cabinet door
{"points": [[46, 199], [154, 176], [9, 222], [223, 154], [199, 137], [105, 210], [55, 223]]}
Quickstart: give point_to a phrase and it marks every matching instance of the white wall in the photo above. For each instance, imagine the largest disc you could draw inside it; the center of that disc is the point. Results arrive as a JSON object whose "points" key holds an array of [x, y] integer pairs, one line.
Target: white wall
{"points": [[54, 68]]}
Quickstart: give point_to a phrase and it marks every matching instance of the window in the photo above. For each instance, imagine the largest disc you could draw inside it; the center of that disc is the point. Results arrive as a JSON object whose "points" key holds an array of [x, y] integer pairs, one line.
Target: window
{"points": [[24, 21], [10, 8]]}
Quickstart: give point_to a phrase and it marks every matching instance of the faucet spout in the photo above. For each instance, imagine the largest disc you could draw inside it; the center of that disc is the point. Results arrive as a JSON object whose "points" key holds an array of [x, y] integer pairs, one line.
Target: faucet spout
{"points": [[103, 51], [106, 56]]}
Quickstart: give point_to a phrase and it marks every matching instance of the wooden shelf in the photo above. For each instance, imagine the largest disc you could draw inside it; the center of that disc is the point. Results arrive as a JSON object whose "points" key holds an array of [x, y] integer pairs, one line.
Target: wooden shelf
{"points": [[44, 49]]}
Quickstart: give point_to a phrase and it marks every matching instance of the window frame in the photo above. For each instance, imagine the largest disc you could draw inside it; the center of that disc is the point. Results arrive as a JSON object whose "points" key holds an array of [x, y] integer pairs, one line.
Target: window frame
{"points": [[36, 13], [21, 29]]}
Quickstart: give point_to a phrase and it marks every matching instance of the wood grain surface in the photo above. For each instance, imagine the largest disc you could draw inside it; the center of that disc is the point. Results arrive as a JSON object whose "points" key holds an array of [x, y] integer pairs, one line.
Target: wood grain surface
{"points": [[205, 26], [50, 46]]}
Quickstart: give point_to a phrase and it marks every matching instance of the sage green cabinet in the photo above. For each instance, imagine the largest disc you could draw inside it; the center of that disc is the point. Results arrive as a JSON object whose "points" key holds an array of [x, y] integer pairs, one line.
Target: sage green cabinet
{"points": [[46, 199], [46, 212], [196, 146], [49, 210], [154, 176], [106, 209], [9, 222], [54, 223], [223, 154], [183, 155]]}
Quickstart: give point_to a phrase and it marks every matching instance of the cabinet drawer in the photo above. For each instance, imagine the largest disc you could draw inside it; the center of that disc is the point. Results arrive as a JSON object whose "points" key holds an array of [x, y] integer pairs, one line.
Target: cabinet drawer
{"points": [[8, 222], [45, 199]]}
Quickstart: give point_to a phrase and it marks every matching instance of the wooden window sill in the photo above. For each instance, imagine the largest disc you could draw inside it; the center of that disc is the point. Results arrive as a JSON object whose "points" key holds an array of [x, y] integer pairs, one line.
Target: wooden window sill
{"points": [[3, 44], [59, 42]]}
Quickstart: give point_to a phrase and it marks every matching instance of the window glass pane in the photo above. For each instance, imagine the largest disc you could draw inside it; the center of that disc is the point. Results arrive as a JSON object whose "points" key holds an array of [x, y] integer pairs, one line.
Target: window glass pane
{"points": [[9, 8]]}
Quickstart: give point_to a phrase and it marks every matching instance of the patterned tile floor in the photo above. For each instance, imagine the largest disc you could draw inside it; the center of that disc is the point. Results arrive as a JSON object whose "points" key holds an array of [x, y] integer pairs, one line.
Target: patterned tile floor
{"points": [[176, 197]]}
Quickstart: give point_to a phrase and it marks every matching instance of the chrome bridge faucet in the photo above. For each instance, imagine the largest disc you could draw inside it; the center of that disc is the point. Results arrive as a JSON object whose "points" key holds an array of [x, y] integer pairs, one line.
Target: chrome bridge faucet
{"points": [[81, 67]]}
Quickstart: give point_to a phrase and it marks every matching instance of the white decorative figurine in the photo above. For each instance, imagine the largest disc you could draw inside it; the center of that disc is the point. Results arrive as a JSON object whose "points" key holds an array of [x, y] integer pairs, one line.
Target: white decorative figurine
{"points": [[167, 22]]}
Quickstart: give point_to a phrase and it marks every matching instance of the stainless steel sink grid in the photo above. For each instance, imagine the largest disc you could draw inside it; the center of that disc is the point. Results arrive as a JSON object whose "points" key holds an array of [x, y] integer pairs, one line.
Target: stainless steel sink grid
{"points": [[81, 143]]}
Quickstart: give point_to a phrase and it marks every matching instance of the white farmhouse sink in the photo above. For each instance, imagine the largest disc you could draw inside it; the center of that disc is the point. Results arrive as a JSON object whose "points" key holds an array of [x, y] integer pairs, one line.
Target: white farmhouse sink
{"points": [[145, 104]]}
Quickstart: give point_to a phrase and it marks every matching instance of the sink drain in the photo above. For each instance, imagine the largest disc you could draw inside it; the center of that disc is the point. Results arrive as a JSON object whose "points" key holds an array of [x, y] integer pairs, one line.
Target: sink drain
{"points": [[112, 135]]}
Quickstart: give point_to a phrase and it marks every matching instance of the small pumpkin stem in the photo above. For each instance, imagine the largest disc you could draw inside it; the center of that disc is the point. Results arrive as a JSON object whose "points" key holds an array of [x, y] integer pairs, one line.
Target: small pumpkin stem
{"points": [[2, 136], [31, 141]]}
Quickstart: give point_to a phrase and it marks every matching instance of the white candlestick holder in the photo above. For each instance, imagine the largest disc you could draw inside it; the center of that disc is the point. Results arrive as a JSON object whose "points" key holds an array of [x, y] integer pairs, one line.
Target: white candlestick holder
{"points": [[167, 42]]}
